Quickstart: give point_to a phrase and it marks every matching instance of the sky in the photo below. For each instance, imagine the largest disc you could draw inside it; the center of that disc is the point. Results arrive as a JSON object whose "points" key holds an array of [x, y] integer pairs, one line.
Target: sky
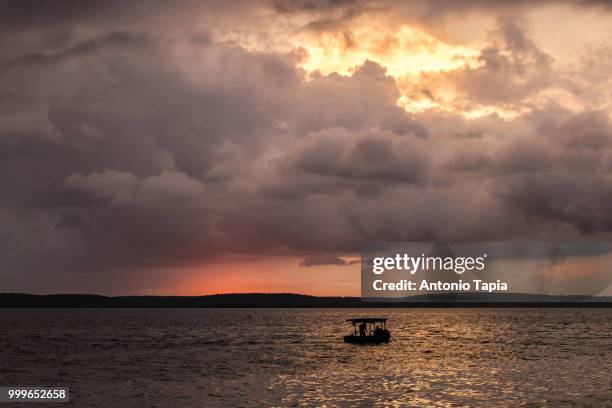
{"points": [[201, 147]]}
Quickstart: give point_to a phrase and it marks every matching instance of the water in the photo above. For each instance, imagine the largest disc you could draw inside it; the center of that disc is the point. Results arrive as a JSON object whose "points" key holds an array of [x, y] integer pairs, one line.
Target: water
{"points": [[296, 357]]}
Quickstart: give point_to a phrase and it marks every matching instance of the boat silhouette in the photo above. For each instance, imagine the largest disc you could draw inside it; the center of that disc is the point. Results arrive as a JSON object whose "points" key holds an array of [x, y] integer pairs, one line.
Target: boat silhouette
{"points": [[368, 330]]}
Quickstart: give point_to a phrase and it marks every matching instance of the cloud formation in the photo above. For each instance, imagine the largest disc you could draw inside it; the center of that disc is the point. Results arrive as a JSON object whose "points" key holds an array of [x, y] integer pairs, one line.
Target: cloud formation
{"points": [[128, 146]]}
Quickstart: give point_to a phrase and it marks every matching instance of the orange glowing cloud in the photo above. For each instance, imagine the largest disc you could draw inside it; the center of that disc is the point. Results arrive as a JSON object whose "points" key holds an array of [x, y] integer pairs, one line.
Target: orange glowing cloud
{"points": [[406, 52], [403, 51], [430, 62]]}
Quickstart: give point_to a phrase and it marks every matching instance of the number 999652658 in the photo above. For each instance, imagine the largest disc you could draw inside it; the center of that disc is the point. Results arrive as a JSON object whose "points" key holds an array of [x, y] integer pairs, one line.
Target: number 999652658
{"points": [[34, 394]]}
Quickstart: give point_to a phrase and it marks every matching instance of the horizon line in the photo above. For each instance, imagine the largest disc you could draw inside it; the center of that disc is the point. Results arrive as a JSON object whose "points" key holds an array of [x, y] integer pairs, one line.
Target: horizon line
{"points": [[307, 295]]}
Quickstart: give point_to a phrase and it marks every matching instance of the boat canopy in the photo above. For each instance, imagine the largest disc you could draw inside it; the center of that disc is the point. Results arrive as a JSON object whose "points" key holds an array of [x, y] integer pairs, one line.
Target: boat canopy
{"points": [[368, 320]]}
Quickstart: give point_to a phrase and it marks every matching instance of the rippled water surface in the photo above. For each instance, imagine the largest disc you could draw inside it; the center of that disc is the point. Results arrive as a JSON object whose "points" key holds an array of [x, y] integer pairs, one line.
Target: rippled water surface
{"points": [[296, 357]]}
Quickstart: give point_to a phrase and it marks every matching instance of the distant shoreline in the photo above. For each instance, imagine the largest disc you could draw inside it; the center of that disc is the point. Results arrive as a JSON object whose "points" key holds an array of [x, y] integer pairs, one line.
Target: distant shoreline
{"points": [[290, 300]]}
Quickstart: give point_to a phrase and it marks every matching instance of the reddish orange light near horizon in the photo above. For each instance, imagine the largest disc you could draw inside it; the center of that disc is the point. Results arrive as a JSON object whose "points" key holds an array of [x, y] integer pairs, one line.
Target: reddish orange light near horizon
{"points": [[271, 275]]}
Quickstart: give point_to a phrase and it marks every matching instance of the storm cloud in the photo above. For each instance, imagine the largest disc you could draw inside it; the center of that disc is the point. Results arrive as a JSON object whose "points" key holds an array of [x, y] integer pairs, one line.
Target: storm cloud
{"points": [[130, 140]]}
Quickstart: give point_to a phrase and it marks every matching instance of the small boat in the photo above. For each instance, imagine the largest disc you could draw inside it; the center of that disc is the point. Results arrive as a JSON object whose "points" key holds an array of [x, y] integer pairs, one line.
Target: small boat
{"points": [[368, 330]]}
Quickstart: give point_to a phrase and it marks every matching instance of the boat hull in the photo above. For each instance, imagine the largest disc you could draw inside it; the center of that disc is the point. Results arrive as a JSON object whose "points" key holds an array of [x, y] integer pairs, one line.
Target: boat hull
{"points": [[383, 338]]}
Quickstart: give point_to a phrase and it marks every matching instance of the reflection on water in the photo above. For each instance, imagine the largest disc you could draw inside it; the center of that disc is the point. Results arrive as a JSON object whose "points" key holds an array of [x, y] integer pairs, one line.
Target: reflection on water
{"points": [[295, 357]]}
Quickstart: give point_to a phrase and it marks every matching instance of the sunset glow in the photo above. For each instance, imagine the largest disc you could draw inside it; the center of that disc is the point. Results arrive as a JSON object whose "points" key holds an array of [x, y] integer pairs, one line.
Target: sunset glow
{"points": [[403, 51]]}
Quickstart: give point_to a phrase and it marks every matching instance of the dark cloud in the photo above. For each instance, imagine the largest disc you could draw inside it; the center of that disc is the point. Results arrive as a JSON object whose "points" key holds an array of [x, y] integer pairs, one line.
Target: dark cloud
{"points": [[113, 40], [284, 6], [321, 260], [510, 70], [332, 15], [348, 160], [506, 73]]}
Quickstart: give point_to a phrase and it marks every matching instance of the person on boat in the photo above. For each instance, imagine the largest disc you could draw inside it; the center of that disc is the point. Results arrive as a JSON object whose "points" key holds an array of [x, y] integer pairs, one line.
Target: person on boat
{"points": [[362, 329]]}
